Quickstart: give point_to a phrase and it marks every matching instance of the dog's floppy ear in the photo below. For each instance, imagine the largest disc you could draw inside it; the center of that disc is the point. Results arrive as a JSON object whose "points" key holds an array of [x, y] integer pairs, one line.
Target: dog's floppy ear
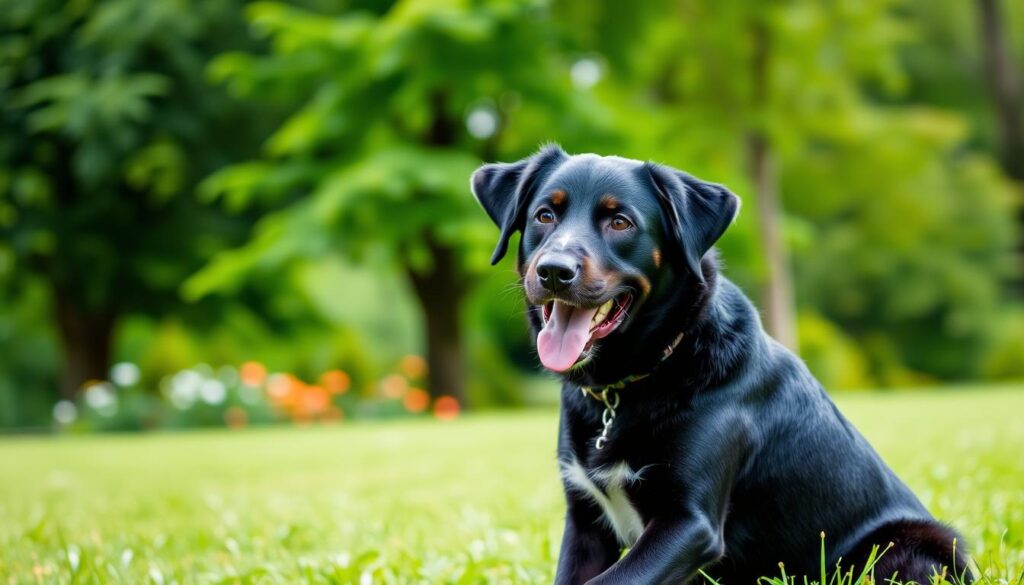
{"points": [[504, 190], [696, 212]]}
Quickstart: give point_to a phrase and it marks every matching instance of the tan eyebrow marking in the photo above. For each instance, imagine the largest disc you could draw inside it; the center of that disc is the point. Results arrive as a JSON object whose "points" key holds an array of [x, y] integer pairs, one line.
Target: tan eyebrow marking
{"points": [[558, 196], [609, 202], [656, 256]]}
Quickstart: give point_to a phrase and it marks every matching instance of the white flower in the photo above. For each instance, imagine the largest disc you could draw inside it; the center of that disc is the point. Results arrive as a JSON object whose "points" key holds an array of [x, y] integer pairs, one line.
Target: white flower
{"points": [[184, 389], [212, 391], [102, 398], [125, 374], [65, 412]]}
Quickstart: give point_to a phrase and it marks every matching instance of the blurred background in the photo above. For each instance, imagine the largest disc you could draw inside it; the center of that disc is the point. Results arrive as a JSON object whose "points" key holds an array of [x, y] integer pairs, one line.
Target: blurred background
{"points": [[227, 213]]}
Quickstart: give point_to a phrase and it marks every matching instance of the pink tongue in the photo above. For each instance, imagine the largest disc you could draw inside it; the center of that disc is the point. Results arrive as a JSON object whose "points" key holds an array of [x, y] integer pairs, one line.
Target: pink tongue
{"points": [[564, 336]]}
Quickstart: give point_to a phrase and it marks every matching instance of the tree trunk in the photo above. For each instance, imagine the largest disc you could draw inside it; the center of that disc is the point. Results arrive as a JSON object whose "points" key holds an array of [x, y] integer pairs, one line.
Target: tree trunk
{"points": [[86, 339], [440, 294], [1005, 88], [777, 292]]}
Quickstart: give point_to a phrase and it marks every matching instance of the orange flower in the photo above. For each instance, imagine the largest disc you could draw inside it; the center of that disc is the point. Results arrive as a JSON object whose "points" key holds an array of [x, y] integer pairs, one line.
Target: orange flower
{"points": [[413, 366], [336, 381], [315, 399], [284, 390], [416, 400], [236, 417], [394, 386], [446, 408], [252, 374]]}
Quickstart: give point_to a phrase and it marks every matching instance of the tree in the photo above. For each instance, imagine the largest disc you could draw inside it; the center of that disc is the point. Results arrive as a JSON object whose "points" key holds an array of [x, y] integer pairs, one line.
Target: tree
{"points": [[1004, 86], [777, 295], [108, 124], [899, 233], [1007, 97], [726, 79], [394, 105], [966, 58]]}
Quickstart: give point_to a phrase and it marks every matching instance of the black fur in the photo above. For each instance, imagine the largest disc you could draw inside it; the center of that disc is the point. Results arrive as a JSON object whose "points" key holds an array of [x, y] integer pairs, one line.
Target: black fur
{"points": [[745, 458]]}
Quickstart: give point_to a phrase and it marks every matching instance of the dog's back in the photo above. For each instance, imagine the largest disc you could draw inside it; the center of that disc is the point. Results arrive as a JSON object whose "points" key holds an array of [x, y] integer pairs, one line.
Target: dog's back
{"points": [[815, 474]]}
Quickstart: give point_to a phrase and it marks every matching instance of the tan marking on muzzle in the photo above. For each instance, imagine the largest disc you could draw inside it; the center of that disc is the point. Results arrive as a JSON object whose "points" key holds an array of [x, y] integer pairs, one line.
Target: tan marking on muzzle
{"points": [[529, 278], [531, 268], [591, 272], [645, 285]]}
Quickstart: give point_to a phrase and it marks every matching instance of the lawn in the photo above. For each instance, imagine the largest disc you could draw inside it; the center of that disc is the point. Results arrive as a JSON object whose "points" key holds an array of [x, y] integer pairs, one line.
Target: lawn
{"points": [[476, 500]]}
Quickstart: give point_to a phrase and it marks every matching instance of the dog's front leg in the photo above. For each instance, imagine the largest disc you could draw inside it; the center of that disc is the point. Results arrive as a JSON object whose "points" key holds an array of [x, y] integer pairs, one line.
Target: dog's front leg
{"points": [[688, 533], [588, 546], [670, 551]]}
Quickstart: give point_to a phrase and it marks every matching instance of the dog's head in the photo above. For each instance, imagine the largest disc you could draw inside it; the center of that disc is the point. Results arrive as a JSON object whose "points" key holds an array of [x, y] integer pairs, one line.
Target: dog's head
{"points": [[601, 237]]}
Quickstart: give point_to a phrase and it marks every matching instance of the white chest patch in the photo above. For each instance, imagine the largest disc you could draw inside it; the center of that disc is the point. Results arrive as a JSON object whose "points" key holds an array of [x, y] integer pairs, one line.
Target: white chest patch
{"points": [[619, 511]]}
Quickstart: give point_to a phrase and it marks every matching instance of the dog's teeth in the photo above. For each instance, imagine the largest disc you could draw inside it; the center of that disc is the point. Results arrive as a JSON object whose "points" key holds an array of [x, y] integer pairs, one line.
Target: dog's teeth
{"points": [[602, 313]]}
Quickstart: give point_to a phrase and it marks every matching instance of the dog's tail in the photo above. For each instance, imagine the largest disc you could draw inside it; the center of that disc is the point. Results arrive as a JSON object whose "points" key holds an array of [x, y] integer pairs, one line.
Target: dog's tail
{"points": [[919, 549]]}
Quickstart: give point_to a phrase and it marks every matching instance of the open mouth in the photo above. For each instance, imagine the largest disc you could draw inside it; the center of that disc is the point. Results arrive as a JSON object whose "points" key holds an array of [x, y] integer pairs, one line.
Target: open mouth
{"points": [[569, 332]]}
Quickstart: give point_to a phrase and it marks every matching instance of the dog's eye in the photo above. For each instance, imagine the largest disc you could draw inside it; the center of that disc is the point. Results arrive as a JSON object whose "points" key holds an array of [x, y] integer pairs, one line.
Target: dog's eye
{"points": [[545, 216], [620, 223]]}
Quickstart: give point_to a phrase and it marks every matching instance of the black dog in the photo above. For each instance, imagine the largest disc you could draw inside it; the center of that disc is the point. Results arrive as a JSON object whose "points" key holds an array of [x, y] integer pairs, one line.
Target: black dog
{"points": [[687, 434]]}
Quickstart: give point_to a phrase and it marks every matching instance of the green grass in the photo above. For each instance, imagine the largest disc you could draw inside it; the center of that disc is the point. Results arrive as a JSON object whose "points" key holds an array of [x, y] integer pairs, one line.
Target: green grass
{"points": [[474, 501]]}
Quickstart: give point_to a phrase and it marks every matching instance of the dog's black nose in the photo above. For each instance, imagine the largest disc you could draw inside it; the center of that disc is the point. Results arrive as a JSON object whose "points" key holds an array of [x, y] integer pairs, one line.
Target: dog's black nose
{"points": [[557, 273]]}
